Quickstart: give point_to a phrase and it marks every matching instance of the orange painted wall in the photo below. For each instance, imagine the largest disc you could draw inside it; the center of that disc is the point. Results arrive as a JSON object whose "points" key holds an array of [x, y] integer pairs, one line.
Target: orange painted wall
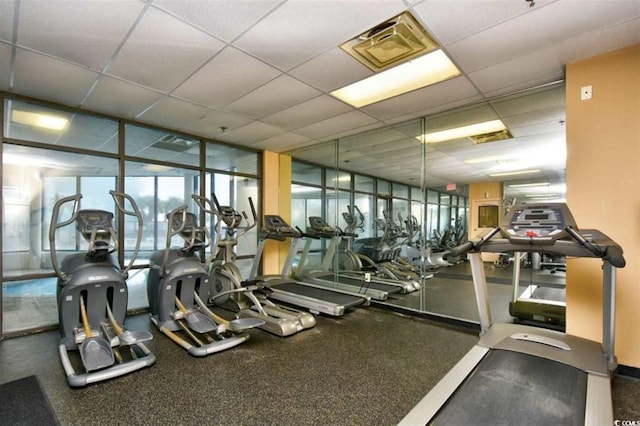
{"points": [[276, 199], [603, 190]]}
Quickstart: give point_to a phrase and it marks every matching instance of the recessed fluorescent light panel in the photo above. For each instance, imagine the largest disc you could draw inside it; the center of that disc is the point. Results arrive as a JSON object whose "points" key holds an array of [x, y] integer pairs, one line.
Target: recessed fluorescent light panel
{"points": [[421, 72], [492, 158], [45, 121], [527, 185], [486, 127], [515, 172]]}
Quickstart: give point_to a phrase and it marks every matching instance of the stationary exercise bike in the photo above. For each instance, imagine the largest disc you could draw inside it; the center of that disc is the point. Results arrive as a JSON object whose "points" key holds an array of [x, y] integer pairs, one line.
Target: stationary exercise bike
{"points": [[92, 297], [226, 279], [178, 291]]}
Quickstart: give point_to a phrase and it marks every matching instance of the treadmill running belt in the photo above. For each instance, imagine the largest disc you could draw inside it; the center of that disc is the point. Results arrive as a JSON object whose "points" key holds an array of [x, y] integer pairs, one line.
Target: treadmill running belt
{"points": [[361, 284], [511, 388], [345, 300]]}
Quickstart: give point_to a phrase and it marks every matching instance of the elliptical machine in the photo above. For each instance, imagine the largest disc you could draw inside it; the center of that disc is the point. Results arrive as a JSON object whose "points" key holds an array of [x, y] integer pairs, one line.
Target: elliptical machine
{"points": [[229, 290], [92, 297], [178, 288]]}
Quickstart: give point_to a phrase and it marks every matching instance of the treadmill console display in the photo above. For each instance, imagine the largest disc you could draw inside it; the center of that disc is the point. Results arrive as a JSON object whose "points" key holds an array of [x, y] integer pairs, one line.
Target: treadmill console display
{"points": [[274, 224], [538, 221]]}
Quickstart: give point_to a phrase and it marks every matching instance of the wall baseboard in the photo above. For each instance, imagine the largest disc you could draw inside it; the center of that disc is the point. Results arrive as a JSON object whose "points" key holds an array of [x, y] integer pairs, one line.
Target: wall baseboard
{"points": [[624, 370]]}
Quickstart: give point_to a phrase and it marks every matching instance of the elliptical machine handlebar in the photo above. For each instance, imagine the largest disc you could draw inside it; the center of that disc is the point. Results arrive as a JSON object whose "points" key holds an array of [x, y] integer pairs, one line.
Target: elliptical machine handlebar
{"points": [[55, 226], [117, 197]]}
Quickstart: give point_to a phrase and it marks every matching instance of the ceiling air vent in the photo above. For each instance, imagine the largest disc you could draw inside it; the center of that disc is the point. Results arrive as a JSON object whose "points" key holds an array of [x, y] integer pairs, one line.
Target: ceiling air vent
{"points": [[174, 143], [500, 135], [390, 43]]}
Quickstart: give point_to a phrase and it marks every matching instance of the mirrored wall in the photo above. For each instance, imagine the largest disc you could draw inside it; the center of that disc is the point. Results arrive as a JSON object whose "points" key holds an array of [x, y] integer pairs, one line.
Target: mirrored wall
{"points": [[409, 192]]}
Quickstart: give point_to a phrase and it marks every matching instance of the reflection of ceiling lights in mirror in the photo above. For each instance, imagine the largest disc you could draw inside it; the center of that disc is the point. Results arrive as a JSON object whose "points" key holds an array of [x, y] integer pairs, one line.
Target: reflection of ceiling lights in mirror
{"points": [[424, 71], [490, 126], [526, 185], [496, 158], [45, 121], [515, 172]]}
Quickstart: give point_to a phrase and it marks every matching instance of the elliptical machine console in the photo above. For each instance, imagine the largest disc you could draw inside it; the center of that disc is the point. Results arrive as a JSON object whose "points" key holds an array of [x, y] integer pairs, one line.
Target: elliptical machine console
{"points": [[92, 297]]}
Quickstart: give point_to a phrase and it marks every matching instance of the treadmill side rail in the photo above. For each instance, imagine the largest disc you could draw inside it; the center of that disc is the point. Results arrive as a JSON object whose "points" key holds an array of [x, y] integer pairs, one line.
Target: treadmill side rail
{"points": [[429, 406], [599, 408]]}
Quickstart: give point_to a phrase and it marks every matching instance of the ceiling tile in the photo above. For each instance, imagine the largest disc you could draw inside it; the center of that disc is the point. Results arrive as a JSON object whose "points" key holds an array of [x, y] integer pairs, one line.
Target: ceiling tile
{"points": [[550, 98], [5, 66], [225, 19], [385, 136], [87, 33], [119, 98], [219, 82], [544, 26], [250, 134], [419, 100], [331, 126], [300, 30], [600, 41], [6, 20], [162, 51], [535, 116], [277, 95], [344, 70], [527, 70], [284, 142], [308, 112], [50, 79], [210, 125], [537, 128], [469, 18], [173, 113]]}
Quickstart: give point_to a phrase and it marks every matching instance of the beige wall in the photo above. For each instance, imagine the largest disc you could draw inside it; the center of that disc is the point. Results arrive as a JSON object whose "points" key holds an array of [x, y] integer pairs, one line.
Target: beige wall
{"points": [[485, 193], [603, 190], [276, 199]]}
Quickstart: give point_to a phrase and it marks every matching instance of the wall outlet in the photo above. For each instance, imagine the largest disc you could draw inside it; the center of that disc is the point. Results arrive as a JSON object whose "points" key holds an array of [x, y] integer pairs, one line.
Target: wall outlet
{"points": [[586, 92]]}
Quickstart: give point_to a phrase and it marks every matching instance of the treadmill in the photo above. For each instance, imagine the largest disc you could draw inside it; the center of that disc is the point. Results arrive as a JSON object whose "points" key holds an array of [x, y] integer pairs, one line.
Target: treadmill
{"points": [[520, 374], [316, 299], [356, 281]]}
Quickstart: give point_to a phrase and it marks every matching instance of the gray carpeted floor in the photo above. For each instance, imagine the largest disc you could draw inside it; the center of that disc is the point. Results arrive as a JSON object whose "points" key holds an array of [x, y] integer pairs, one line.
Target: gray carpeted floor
{"points": [[368, 367]]}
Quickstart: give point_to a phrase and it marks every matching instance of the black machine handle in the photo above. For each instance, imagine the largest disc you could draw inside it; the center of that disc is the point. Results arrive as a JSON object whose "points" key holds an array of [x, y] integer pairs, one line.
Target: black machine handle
{"points": [[613, 254], [253, 210], [470, 245], [303, 234]]}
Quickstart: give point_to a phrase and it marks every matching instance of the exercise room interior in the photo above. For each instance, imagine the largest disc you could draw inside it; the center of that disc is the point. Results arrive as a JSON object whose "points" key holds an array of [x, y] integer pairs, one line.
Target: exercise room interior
{"points": [[343, 212]]}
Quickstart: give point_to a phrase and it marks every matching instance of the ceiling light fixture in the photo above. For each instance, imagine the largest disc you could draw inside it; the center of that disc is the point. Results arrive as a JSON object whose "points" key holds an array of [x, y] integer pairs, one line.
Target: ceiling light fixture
{"points": [[45, 121], [465, 131], [498, 158], [421, 72], [515, 172], [156, 168], [526, 185]]}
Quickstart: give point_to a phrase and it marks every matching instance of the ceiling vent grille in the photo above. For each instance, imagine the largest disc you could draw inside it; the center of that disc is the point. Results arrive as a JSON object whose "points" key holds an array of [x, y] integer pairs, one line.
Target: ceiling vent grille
{"points": [[500, 135], [174, 143], [390, 43]]}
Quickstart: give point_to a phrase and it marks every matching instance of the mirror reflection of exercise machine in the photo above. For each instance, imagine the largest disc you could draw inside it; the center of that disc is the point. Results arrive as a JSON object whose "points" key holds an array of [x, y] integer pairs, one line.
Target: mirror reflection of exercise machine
{"points": [[283, 288], [92, 297], [178, 291], [519, 373]]}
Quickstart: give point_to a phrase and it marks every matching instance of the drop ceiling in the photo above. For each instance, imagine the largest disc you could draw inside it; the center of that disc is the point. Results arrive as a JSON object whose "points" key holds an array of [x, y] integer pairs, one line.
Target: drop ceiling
{"points": [[258, 73]]}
